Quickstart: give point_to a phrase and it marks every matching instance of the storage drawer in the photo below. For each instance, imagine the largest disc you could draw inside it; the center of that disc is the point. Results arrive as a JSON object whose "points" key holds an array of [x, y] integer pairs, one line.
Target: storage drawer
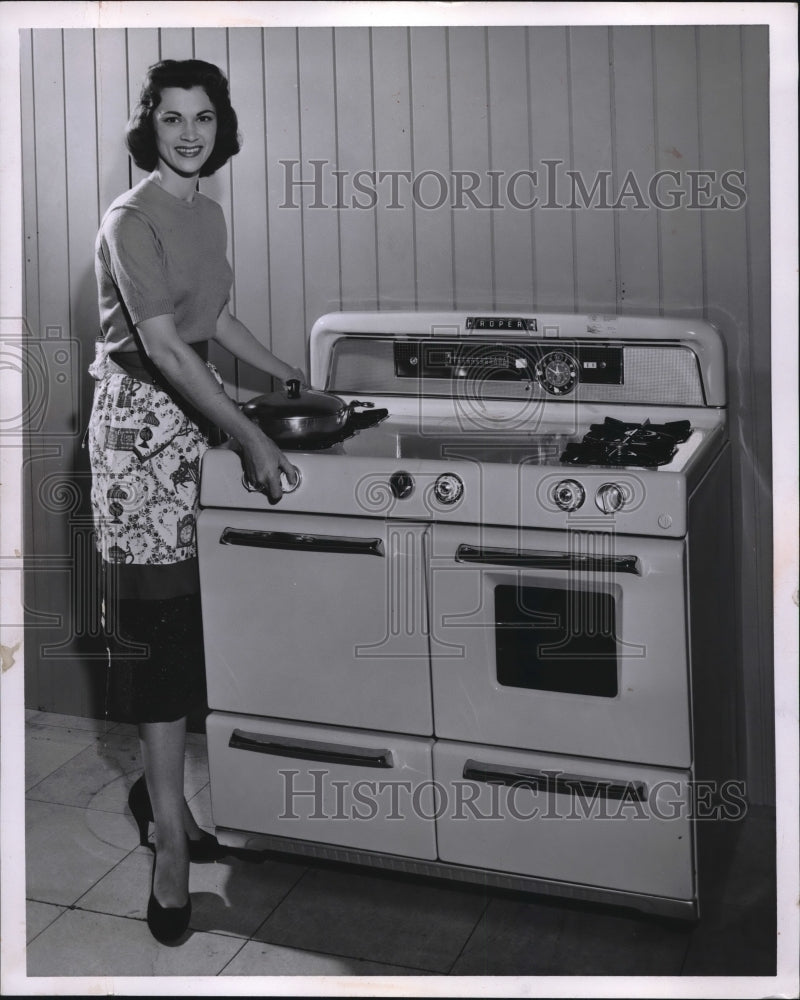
{"points": [[351, 788], [574, 819]]}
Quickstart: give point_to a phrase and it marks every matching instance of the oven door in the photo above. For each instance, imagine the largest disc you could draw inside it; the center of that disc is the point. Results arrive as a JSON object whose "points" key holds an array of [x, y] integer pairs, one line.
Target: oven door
{"points": [[319, 619], [565, 642]]}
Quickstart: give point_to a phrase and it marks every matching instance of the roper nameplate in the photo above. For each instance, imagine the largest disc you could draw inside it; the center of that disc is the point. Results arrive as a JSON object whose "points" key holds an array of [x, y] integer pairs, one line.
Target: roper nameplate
{"points": [[501, 323]]}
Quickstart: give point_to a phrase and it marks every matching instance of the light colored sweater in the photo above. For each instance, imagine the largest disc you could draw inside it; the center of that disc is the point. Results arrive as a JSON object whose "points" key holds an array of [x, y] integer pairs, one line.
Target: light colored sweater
{"points": [[156, 254]]}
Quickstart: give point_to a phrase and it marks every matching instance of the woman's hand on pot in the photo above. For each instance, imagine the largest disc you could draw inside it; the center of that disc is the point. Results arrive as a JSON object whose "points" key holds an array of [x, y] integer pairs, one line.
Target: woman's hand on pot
{"points": [[263, 464], [299, 375]]}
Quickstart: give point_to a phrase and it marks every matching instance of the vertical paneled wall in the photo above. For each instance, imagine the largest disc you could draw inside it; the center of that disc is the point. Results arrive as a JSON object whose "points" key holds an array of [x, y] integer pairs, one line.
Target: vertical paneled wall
{"points": [[338, 124]]}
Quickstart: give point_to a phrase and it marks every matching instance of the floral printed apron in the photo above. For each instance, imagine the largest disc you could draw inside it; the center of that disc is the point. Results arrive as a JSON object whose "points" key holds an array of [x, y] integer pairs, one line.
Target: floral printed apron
{"points": [[145, 455]]}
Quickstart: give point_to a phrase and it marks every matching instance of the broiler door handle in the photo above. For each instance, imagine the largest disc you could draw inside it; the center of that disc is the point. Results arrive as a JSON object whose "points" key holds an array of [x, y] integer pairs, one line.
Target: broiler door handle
{"points": [[555, 781], [329, 753], [302, 542]]}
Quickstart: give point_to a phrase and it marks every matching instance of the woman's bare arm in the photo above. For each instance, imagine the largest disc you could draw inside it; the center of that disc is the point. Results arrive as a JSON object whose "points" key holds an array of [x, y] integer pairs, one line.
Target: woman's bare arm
{"points": [[183, 369], [235, 336]]}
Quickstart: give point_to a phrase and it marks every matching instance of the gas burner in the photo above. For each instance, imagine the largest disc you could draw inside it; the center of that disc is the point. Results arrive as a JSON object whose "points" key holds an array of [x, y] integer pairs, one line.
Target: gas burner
{"points": [[617, 443]]}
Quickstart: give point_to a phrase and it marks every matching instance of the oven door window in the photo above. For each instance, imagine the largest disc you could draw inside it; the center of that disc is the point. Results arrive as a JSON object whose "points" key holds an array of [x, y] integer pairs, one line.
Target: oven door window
{"points": [[553, 639]]}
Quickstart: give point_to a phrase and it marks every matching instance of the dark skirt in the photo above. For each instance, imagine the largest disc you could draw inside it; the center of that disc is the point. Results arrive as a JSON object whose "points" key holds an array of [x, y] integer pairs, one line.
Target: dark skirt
{"points": [[156, 663]]}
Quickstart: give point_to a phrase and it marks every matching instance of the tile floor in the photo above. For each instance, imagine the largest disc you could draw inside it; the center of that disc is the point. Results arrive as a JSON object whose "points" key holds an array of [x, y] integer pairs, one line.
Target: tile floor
{"points": [[88, 883]]}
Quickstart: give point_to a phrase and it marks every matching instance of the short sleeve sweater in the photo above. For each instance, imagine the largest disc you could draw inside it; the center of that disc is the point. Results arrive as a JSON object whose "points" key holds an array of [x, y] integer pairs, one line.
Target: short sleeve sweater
{"points": [[156, 254]]}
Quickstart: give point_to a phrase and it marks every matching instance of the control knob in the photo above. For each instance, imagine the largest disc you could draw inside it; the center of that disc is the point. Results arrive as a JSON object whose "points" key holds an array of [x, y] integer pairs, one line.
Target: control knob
{"points": [[610, 497], [288, 487], [401, 484], [568, 494], [448, 488]]}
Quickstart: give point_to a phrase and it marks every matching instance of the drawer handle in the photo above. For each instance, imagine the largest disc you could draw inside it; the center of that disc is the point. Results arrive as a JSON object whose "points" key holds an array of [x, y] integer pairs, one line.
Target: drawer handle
{"points": [[534, 559], [301, 542], [329, 753], [633, 791]]}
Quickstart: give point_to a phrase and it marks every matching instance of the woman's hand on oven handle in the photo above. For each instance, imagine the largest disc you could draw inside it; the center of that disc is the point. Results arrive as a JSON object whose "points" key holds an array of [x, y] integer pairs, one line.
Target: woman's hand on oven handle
{"points": [[190, 377]]}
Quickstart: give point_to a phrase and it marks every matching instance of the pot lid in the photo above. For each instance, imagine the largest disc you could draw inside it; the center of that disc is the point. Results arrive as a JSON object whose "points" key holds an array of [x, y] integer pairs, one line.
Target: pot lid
{"points": [[291, 401]]}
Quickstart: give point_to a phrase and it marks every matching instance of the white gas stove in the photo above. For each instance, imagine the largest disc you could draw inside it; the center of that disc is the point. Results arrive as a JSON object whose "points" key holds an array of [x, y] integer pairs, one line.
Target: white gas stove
{"points": [[505, 595]]}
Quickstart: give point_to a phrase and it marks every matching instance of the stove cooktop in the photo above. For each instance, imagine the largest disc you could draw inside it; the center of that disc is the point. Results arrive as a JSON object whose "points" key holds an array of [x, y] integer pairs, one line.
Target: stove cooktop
{"points": [[389, 442], [614, 444]]}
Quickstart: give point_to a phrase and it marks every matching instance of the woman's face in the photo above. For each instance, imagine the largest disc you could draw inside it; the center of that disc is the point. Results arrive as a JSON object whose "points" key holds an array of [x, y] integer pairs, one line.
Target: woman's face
{"points": [[185, 127]]}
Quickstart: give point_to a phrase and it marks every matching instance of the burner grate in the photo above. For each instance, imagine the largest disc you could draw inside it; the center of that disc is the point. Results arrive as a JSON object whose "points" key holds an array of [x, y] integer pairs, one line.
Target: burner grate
{"points": [[617, 443]]}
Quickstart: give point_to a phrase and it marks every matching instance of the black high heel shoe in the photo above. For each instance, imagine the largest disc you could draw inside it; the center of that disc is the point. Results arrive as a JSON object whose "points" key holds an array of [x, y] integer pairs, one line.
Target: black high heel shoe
{"points": [[166, 923], [202, 851], [139, 804], [205, 849]]}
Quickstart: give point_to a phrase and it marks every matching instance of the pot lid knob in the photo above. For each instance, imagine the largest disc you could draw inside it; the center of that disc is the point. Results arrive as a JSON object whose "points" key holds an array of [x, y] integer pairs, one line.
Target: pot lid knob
{"points": [[293, 388]]}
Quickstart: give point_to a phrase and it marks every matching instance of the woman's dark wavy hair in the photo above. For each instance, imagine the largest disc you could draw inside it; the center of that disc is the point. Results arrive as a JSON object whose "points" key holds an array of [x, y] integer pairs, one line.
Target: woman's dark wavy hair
{"points": [[184, 73]]}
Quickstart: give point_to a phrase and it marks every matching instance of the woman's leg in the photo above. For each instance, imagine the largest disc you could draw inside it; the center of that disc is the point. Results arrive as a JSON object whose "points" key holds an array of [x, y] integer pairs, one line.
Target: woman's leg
{"points": [[163, 749], [193, 831]]}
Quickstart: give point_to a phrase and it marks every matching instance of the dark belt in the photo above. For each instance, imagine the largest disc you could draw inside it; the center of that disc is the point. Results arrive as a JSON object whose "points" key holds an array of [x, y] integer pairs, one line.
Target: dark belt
{"points": [[140, 367]]}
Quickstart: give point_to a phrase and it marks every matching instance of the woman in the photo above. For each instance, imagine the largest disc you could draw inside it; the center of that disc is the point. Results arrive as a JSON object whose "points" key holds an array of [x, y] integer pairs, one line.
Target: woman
{"points": [[164, 283]]}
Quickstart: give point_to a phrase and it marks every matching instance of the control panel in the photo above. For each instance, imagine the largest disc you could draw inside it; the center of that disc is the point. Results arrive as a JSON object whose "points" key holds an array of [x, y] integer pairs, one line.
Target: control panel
{"points": [[557, 370]]}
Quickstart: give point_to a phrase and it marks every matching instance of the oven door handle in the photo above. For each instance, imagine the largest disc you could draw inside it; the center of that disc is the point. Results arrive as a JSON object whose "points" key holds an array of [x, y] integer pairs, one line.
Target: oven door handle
{"points": [[301, 541], [555, 781], [328, 753], [543, 559]]}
